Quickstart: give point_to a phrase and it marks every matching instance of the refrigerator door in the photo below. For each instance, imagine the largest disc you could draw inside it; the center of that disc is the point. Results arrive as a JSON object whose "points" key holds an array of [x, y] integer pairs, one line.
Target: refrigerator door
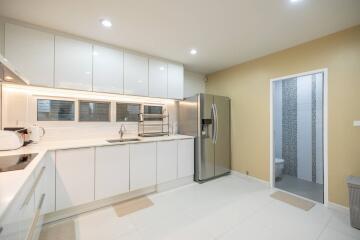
{"points": [[206, 167], [222, 135]]}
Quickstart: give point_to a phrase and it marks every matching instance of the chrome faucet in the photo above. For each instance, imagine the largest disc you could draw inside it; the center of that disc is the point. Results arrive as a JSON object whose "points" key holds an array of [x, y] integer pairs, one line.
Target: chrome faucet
{"points": [[122, 131]]}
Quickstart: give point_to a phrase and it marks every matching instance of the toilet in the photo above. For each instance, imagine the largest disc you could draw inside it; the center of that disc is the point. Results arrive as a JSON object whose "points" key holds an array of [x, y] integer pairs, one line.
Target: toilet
{"points": [[279, 167]]}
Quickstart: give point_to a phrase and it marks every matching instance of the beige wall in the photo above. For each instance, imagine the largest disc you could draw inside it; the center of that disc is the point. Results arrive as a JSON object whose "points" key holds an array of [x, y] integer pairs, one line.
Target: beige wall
{"points": [[193, 83], [248, 85]]}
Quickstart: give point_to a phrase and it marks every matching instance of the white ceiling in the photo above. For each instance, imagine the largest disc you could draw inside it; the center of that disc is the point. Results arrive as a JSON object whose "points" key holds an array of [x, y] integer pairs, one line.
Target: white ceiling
{"points": [[225, 32]]}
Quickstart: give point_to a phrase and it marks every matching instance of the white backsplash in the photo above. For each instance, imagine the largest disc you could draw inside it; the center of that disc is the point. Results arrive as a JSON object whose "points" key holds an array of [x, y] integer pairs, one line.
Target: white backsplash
{"points": [[19, 110]]}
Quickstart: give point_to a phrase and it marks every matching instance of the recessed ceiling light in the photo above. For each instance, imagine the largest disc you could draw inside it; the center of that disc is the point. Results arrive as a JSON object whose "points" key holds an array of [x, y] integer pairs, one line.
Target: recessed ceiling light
{"points": [[295, 1], [106, 23], [193, 51], [8, 78], [162, 68]]}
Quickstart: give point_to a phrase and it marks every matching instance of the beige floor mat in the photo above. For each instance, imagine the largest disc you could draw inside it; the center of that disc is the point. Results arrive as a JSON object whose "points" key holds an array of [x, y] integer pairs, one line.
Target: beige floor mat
{"points": [[133, 205], [293, 200], [59, 231]]}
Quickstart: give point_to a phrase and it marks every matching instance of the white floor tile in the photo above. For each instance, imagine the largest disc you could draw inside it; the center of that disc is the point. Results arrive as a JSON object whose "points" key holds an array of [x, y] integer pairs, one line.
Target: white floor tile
{"points": [[227, 208]]}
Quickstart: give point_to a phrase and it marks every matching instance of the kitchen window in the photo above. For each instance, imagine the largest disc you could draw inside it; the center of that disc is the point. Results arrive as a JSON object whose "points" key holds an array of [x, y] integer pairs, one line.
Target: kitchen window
{"points": [[94, 111], [127, 112], [55, 110], [151, 111]]}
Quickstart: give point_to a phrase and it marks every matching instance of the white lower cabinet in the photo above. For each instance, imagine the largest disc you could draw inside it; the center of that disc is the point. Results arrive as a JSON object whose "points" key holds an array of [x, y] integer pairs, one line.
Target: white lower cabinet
{"points": [[142, 165], [18, 218], [111, 171], [74, 177], [185, 157], [46, 184], [166, 161]]}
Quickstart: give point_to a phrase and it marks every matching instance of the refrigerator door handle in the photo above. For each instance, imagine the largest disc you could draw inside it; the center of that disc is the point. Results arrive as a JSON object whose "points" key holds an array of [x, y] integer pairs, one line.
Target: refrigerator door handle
{"points": [[213, 133], [216, 122]]}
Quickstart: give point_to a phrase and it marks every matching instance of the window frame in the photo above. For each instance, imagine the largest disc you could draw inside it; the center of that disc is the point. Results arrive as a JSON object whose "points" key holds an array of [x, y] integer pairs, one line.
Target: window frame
{"points": [[128, 103], [79, 101], [74, 101]]}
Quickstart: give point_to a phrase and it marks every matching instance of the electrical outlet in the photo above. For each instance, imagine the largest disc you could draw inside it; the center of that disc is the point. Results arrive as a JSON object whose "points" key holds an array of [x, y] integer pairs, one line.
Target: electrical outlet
{"points": [[357, 123]]}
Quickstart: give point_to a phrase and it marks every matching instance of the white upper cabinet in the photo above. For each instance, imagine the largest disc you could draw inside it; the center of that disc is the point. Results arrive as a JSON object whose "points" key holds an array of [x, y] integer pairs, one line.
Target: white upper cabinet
{"points": [[158, 82], [108, 70], [31, 52], [73, 64], [136, 74], [111, 171], [175, 81]]}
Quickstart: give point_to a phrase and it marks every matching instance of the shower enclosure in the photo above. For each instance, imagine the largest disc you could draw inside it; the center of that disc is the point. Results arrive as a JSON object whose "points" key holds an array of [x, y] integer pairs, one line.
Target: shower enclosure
{"points": [[298, 135]]}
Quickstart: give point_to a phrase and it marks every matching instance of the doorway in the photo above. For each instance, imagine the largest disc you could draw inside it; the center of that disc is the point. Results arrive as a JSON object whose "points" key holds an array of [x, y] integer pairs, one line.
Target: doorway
{"points": [[299, 134]]}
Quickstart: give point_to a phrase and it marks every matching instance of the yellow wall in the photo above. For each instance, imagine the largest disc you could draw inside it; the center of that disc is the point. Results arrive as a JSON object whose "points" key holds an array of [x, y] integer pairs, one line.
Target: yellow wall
{"points": [[248, 85]]}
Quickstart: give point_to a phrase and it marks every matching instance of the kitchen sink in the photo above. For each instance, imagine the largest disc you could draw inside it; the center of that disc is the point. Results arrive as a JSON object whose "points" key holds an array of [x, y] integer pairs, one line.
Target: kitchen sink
{"points": [[118, 140]]}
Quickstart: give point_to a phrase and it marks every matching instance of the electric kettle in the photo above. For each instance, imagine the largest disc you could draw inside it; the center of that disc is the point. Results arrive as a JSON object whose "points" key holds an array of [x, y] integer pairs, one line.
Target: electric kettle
{"points": [[36, 133]]}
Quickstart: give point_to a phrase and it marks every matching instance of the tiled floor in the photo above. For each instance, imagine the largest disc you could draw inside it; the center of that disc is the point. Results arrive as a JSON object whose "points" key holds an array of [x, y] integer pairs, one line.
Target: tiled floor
{"points": [[231, 207], [301, 187]]}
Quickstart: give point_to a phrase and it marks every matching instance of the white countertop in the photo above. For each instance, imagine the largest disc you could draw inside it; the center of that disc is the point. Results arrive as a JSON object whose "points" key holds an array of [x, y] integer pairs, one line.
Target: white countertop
{"points": [[12, 182]]}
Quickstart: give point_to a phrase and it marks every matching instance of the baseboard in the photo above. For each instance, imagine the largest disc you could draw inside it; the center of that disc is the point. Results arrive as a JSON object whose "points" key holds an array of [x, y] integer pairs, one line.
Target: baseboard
{"points": [[174, 184], [242, 175], [73, 211], [338, 207]]}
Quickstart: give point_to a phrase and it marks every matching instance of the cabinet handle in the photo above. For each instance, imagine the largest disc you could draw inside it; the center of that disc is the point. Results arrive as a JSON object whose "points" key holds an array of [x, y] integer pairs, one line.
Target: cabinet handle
{"points": [[32, 190], [30, 234]]}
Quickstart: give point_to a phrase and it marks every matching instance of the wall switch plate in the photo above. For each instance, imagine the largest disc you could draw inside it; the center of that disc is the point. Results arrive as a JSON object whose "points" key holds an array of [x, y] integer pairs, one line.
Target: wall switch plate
{"points": [[357, 123]]}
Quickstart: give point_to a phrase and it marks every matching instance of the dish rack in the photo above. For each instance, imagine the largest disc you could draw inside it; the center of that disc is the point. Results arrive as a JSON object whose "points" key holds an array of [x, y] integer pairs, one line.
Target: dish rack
{"points": [[152, 125]]}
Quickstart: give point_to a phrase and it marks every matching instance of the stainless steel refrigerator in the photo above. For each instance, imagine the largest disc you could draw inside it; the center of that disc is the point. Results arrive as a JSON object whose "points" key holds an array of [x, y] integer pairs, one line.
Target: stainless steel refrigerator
{"points": [[207, 118]]}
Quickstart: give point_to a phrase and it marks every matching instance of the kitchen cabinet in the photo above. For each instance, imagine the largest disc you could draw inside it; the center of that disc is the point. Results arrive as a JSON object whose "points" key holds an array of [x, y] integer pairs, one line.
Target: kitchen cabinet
{"points": [[31, 52], [108, 72], [74, 177], [2, 37], [73, 64], [175, 81], [46, 184], [166, 161], [157, 78], [111, 171], [136, 81], [17, 220], [142, 165], [185, 157], [27, 207]]}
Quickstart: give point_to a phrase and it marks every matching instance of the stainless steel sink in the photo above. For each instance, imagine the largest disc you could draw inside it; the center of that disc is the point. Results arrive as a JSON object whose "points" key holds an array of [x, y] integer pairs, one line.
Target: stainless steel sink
{"points": [[123, 140]]}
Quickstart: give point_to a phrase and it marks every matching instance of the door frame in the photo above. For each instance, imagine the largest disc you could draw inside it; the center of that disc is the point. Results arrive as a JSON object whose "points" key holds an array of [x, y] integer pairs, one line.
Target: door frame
{"points": [[325, 128]]}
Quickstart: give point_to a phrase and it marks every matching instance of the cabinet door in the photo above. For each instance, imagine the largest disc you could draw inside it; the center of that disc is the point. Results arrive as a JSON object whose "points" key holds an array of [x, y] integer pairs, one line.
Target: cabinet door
{"points": [[73, 64], [136, 79], [185, 158], [27, 207], [32, 53], [175, 81], [157, 78], [74, 177], [108, 70], [111, 171], [142, 165], [166, 161], [46, 184]]}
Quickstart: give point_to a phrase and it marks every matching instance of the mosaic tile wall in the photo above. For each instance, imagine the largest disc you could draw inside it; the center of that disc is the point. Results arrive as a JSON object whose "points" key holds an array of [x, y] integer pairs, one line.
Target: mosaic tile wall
{"points": [[289, 126], [289, 129]]}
